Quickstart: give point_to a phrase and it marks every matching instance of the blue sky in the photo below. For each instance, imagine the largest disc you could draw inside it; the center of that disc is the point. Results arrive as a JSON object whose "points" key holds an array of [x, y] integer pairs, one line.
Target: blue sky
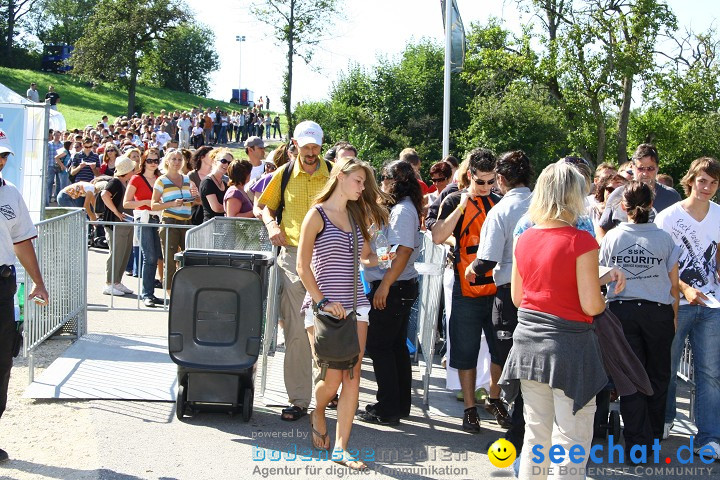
{"points": [[371, 28]]}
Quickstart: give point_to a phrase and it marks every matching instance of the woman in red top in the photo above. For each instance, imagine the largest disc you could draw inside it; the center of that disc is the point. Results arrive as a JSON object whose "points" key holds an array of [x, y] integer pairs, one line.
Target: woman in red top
{"points": [[555, 356], [108, 163], [138, 196]]}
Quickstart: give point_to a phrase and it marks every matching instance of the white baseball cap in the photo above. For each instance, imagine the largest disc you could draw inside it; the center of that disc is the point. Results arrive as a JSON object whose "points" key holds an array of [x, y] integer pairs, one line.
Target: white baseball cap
{"points": [[308, 132], [5, 143]]}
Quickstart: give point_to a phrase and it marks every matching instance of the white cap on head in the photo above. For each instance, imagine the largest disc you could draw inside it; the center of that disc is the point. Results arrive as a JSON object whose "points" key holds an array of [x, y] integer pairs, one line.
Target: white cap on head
{"points": [[5, 143], [308, 132]]}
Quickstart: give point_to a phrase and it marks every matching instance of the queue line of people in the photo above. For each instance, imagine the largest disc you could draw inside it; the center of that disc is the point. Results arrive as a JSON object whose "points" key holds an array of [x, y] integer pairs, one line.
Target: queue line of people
{"points": [[502, 287]]}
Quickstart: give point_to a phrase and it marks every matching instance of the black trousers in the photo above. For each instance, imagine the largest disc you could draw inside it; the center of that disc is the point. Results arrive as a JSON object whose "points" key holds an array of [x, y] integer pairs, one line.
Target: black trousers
{"points": [[649, 329], [7, 335], [387, 347], [504, 319]]}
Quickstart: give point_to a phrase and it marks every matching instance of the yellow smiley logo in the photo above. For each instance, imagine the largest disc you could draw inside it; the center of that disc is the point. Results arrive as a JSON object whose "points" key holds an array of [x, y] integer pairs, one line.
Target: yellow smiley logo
{"points": [[502, 453]]}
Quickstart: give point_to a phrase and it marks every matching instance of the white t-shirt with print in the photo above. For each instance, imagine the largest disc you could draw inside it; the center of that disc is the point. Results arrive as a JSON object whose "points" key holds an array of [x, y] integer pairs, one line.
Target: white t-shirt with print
{"points": [[15, 223], [698, 242]]}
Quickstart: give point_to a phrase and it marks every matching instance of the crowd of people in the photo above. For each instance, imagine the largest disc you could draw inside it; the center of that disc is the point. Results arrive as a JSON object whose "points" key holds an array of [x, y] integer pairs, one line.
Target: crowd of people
{"points": [[534, 272]]}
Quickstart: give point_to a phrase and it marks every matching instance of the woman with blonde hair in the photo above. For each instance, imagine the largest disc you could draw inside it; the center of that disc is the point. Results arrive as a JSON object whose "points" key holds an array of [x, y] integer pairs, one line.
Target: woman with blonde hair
{"points": [[173, 194], [326, 266], [555, 284]]}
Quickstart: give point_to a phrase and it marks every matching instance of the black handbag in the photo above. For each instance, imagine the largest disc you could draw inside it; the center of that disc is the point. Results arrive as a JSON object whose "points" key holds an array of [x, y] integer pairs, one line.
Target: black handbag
{"points": [[336, 341]]}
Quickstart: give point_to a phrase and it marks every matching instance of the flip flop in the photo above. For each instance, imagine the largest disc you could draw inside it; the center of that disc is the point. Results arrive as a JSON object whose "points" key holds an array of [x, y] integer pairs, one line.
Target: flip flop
{"points": [[334, 402], [292, 413], [315, 433], [357, 465]]}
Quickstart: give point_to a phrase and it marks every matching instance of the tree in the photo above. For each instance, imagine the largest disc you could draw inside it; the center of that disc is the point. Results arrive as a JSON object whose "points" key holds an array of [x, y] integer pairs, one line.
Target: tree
{"points": [[12, 12], [183, 60], [117, 37], [61, 21], [298, 25], [595, 50]]}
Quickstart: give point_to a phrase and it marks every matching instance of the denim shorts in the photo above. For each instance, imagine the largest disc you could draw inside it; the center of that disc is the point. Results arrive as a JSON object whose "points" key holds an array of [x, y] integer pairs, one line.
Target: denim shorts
{"points": [[469, 318]]}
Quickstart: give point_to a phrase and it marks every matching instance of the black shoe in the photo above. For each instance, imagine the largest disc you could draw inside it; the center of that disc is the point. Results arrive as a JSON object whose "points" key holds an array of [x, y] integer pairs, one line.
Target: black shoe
{"points": [[471, 422], [3, 456], [148, 302], [370, 407], [376, 419], [496, 408]]}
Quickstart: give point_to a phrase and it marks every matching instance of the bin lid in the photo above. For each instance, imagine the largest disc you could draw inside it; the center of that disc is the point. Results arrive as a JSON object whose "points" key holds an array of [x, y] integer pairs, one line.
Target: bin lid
{"points": [[197, 256]]}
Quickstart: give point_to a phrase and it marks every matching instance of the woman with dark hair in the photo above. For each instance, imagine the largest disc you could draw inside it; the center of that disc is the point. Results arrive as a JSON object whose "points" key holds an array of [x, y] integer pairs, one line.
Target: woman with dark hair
{"points": [[606, 184], [441, 176], [647, 308], [393, 293], [138, 196], [236, 201], [201, 164], [108, 161], [212, 189]]}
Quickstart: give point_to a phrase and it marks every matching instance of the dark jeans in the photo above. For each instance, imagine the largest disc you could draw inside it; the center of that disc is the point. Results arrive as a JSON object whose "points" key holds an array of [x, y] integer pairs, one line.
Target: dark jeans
{"points": [[649, 329], [150, 246], [387, 347], [504, 319], [7, 335]]}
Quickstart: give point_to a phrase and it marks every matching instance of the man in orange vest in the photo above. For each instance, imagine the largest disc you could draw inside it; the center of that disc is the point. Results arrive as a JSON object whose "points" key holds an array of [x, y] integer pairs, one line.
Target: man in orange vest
{"points": [[462, 215]]}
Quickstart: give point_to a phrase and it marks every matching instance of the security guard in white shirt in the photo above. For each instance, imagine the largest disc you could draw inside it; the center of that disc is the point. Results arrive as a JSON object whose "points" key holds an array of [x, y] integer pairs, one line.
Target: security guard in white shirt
{"points": [[16, 234]]}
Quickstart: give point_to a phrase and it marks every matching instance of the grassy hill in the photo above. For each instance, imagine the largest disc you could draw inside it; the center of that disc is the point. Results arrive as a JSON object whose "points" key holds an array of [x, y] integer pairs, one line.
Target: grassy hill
{"points": [[83, 105]]}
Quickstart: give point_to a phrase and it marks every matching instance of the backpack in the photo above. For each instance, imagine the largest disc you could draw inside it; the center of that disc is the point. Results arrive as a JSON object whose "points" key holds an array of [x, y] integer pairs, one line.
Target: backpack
{"points": [[467, 248], [283, 185]]}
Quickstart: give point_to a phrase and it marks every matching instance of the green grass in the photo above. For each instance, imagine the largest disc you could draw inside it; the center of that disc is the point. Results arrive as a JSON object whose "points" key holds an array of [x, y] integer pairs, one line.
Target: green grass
{"points": [[83, 105]]}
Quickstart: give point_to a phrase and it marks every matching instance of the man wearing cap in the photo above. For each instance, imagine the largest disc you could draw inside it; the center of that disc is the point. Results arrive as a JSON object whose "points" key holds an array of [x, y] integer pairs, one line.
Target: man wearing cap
{"points": [[16, 234], [32, 93], [308, 176], [255, 149]]}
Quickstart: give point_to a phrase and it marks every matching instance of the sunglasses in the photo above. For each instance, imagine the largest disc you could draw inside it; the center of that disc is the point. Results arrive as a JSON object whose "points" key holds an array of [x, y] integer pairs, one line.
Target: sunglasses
{"points": [[438, 179], [225, 161], [646, 169], [4, 155], [87, 146], [155, 161], [484, 182]]}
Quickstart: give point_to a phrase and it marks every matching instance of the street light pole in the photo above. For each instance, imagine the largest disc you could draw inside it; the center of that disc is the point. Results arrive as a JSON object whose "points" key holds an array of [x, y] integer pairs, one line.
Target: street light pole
{"points": [[239, 39]]}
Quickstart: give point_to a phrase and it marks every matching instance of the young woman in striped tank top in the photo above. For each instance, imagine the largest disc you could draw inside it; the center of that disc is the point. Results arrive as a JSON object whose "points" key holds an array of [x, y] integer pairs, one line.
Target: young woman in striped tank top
{"points": [[325, 266]]}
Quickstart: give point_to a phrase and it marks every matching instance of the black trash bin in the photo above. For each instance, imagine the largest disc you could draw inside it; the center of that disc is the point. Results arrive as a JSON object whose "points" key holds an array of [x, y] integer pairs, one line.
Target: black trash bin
{"points": [[215, 328]]}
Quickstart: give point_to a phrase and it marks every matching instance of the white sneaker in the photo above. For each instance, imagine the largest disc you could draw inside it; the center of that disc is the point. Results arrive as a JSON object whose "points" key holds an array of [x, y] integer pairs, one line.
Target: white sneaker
{"points": [[111, 290], [123, 288], [714, 446], [666, 430]]}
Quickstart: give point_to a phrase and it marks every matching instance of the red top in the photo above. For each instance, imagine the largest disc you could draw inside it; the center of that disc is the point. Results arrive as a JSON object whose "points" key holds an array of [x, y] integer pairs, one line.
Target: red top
{"points": [[142, 190], [423, 187], [546, 261]]}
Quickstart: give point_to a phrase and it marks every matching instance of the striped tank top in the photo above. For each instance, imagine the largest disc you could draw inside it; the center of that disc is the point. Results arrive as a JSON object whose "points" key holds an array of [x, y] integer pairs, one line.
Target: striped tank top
{"points": [[332, 264]]}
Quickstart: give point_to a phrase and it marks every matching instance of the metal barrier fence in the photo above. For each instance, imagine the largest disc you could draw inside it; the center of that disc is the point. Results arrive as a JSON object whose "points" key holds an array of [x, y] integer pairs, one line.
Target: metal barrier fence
{"points": [[222, 233], [139, 228], [686, 372], [61, 248], [430, 265]]}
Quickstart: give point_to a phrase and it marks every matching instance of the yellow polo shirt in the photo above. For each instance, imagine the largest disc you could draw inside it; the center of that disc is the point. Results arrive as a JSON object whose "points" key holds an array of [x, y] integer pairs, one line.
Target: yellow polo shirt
{"points": [[299, 196]]}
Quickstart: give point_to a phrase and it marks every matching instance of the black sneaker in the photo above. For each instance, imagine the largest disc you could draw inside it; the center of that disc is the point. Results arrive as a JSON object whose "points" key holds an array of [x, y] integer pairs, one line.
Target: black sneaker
{"points": [[496, 408], [3, 456], [370, 417], [148, 302], [471, 422], [370, 407]]}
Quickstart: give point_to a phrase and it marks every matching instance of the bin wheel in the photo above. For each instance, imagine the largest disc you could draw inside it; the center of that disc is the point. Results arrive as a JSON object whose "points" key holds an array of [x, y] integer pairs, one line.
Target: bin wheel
{"points": [[614, 424], [247, 404], [180, 403]]}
